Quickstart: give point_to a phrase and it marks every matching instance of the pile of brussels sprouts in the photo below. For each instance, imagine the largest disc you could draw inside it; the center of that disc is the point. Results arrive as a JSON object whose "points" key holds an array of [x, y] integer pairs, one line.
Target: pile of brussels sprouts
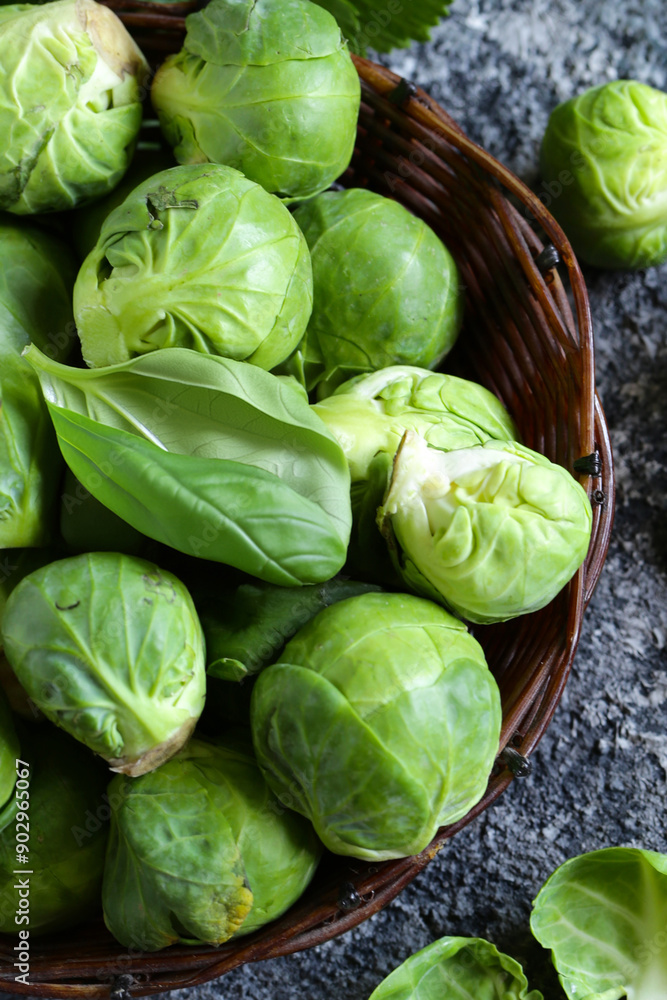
{"points": [[245, 525]]}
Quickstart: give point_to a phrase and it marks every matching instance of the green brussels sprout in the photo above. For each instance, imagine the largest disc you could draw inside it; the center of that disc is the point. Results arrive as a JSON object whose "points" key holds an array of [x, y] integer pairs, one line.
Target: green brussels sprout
{"points": [[36, 279], [70, 104], [200, 850], [457, 967], [247, 626], [198, 257], [603, 915], [385, 289], [266, 86], [380, 722], [604, 167], [371, 413], [60, 794], [492, 532], [110, 648]]}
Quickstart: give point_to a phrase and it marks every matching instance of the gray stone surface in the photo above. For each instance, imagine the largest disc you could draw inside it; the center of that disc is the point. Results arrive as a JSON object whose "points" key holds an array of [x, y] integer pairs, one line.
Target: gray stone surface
{"points": [[600, 772]]}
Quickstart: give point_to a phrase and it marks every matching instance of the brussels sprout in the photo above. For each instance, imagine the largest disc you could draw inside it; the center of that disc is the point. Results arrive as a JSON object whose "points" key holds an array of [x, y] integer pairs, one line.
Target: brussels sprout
{"points": [[199, 257], [457, 967], [492, 531], [370, 413], [201, 850], [380, 722], [385, 289], [70, 104], [266, 86], [61, 794], [36, 279], [110, 648], [246, 627], [604, 167], [603, 915]]}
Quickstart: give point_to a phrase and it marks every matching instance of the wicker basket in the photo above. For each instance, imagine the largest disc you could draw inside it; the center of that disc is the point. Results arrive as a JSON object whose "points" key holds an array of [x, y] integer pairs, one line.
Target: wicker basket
{"points": [[523, 340]]}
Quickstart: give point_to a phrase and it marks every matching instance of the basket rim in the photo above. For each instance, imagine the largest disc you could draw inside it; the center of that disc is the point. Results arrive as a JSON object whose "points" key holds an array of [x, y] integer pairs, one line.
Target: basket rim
{"points": [[182, 966]]}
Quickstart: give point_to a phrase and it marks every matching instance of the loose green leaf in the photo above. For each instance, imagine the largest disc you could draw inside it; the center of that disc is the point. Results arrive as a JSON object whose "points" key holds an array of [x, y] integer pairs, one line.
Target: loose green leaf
{"points": [[386, 25], [457, 967], [246, 627], [603, 915], [216, 458]]}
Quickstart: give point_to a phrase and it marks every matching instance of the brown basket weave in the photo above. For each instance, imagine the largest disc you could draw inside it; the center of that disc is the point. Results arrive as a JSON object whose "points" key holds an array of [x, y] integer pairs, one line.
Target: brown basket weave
{"points": [[521, 339]]}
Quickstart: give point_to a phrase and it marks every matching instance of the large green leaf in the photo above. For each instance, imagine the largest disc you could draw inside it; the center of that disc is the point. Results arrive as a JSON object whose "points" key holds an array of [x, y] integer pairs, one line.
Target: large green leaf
{"points": [[214, 457], [382, 25]]}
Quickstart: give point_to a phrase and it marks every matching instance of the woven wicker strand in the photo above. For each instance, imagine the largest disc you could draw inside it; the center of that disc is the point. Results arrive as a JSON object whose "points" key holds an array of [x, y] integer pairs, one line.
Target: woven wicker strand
{"points": [[524, 341]]}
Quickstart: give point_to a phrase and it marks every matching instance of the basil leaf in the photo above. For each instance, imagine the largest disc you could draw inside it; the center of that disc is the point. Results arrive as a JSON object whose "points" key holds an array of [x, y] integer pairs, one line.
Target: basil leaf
{"points": [[213, 508], [211, 407]]}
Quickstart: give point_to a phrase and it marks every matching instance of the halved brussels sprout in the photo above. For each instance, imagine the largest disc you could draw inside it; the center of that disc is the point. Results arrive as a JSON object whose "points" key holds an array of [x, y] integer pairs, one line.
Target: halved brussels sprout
{"points": [[110, 648], [380, 722], [199, 257], [492, 531], [200, 850], [385, 289], [266, 86], [604, 167], [70, 104]]}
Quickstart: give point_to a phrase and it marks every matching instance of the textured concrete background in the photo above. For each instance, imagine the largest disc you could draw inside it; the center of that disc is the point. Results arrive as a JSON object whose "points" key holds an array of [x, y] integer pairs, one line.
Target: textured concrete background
{"points": [[600, 772]]}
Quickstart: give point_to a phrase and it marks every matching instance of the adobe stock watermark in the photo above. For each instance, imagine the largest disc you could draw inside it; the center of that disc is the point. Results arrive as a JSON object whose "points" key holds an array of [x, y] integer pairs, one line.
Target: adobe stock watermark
{"points": [[22, 871]]}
